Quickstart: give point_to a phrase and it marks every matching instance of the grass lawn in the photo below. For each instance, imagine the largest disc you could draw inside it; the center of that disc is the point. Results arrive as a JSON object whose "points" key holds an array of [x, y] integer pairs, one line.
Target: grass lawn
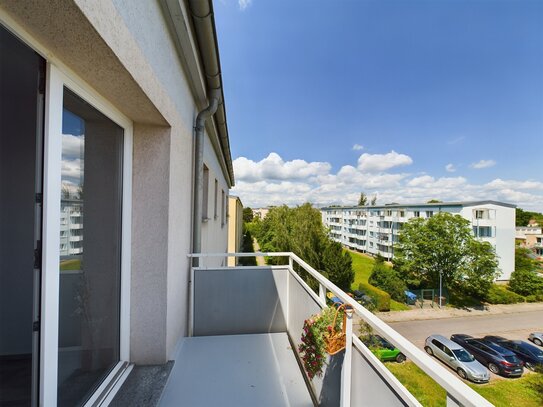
{"points": [[73, 264], [522, 392], [362, 266], [424, 388]]}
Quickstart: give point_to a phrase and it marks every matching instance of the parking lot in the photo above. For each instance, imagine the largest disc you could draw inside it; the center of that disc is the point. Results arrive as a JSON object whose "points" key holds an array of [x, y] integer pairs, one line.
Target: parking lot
{"points": [[512, 326]]}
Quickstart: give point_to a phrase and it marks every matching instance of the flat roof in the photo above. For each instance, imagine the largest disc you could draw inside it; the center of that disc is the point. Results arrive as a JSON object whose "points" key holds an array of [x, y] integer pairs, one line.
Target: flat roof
{"points": [[428, 205]]}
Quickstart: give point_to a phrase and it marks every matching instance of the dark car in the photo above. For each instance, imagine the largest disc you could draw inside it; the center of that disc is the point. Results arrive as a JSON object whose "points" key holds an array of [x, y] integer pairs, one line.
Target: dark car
{"points": [[531, 355], [498, 359]]}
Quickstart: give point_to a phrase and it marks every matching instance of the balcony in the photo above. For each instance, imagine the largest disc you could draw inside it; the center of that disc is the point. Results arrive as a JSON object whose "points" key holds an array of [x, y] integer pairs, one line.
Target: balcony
{"points": [[245, 325]]}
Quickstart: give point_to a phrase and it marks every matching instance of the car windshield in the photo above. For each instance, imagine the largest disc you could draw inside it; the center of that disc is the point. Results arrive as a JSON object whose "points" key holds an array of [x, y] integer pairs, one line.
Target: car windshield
{"points": [[537, 352], [463, 356], [511, 359]]}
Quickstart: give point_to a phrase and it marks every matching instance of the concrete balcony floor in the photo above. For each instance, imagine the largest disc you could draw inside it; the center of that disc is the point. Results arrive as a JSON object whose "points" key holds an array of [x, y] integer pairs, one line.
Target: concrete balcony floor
{"points": [[236, 370]]}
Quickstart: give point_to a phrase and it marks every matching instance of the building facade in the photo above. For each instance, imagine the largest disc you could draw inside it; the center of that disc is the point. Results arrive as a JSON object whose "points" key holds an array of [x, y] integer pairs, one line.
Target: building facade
{"points": [[235, 227], [375, 229], [113, 141], [531, 237]]}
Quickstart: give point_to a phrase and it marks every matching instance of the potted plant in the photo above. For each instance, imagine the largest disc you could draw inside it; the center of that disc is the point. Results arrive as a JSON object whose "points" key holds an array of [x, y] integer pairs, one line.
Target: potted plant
{"points": [[322, 334]]}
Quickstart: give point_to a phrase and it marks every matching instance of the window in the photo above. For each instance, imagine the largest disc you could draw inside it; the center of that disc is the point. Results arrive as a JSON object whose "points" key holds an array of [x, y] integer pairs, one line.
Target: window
{"points": [[429, 214], [90, 295], [479, 214], [223, 207], [215, 215], [416, 214], [205, 193], [402, 214]]}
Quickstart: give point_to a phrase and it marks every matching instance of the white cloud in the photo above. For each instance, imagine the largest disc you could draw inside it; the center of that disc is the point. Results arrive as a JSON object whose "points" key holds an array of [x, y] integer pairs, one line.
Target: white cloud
{"points": [[358, 147], [243, 4], [456, 140], [381, 162], [72, 146], [274, 181], [274, 168], [483, 164], [450, 168]]}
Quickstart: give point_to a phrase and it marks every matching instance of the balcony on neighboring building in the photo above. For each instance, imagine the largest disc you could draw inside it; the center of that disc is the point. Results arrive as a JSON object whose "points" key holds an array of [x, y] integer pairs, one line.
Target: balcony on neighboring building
{"points": [[245, 325]]}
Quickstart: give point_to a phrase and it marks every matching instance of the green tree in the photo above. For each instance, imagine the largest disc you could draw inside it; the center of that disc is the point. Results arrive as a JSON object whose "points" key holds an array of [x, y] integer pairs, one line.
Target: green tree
{"points": [[337, 264], [524, 217], [247, 215], [525, 280], [387, 279], [434, 201], [363, 200], [444, 244], [373, 200], [300, 230]]}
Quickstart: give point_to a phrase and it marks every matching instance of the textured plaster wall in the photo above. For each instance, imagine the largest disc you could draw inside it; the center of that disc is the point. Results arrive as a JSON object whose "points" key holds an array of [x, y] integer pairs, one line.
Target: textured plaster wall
{"points": [[149, 244]]}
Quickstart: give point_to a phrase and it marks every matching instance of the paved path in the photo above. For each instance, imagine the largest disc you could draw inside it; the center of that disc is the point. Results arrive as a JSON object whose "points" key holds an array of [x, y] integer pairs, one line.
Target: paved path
{"points": [[259, 259], [448, 312]]}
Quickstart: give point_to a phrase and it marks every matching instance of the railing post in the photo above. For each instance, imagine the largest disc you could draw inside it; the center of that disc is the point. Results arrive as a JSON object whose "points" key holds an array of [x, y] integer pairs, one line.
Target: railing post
{"points": [[290, 263], [346, 370], [322, 293]]}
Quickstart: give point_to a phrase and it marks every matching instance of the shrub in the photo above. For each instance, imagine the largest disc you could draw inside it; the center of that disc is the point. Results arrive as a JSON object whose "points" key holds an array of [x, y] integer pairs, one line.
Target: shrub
{"points": [[531, 298], [500, 295], [526, 282], [388, 280], [381, 298]]}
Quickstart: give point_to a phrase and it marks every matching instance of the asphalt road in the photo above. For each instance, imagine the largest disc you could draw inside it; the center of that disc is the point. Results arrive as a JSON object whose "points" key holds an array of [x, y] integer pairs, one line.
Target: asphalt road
{"points": [[511, 326]]}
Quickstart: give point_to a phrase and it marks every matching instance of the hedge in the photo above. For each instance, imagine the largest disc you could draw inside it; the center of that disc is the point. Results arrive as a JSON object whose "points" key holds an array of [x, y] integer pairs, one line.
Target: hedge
{"points": [[500, 295], [381, 298]]}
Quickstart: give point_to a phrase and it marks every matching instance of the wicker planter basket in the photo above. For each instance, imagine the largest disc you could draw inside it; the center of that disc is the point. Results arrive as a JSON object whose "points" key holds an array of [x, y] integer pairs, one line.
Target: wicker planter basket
{"points": [[335, 340]]}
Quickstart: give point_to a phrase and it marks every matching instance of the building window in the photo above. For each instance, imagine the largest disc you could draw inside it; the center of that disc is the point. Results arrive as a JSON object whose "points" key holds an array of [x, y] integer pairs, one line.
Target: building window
{"points": [[215, 203], [429, 214], [205, 193], [479, 214], [223, 207], [402, 214], [416, 214]]}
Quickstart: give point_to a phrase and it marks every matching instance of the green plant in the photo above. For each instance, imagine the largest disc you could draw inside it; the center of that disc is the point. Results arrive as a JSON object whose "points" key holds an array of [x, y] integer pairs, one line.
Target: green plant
{"points": [[387, 279], [313, 347], [381, 298], [531, 298], [500, 295]]}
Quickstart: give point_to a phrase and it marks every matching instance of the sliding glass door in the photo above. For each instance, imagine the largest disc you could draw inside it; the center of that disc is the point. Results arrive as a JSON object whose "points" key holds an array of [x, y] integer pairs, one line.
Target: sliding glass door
{"points": [[90, 249], [22, 73]]}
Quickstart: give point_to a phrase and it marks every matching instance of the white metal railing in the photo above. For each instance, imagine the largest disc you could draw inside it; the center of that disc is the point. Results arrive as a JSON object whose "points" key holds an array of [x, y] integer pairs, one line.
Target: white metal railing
{"points": [[458, 393]]}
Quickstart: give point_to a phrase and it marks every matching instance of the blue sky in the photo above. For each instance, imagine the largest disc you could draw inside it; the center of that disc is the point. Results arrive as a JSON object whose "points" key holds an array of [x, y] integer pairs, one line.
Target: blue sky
{"points": [[417, 85]]}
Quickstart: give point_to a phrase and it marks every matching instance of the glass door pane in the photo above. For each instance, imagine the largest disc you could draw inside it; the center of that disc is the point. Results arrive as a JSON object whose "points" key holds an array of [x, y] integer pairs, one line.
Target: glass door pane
{"points": [[90, 250], [21, 135]]}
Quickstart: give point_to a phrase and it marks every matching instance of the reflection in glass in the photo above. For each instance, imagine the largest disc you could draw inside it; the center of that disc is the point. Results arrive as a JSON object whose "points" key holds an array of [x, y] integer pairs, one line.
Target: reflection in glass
{"points": [[90, 250]]}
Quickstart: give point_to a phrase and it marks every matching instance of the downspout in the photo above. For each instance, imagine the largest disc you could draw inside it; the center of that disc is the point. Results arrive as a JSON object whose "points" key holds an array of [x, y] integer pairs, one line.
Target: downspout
{"points": [[199, 130]]}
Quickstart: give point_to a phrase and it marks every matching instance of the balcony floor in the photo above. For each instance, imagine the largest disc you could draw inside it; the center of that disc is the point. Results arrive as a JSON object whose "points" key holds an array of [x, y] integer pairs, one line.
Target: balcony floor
{"points": [[236, 370]]}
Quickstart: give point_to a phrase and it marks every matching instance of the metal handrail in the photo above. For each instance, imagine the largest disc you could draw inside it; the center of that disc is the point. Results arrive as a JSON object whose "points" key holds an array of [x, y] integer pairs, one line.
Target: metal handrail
{"points": [[459, 391]]}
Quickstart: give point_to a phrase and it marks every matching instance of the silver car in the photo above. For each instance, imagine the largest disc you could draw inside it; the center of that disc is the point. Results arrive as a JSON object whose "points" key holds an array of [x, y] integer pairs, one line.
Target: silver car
{"points": [[537, 338], [457, 358]]}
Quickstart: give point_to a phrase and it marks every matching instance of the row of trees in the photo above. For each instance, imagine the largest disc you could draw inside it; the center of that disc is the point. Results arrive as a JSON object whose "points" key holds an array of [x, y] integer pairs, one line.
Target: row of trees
{"points": [[524, 217], [300, 230]]}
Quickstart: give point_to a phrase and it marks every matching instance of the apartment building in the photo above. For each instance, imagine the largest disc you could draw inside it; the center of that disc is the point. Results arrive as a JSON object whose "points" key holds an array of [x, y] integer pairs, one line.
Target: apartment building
{"points": [[115, 165], [375, 229], [530, 237], [235, 227]]}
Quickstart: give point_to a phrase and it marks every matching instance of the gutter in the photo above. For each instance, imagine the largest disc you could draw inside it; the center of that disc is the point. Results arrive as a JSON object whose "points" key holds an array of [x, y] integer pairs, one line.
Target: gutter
{"points": [[206, 35], [199, 131]]}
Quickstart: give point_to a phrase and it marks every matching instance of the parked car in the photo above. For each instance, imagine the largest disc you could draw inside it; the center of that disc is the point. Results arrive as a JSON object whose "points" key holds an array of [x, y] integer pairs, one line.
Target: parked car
{"points": [[498, 359], [537, 338], [383, 349], [531, 355], [457, 358], [362, 298]]}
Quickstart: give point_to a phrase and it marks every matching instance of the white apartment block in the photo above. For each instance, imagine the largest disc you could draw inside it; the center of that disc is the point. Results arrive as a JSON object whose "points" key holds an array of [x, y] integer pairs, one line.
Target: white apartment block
{"points": [[375, 229]]}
